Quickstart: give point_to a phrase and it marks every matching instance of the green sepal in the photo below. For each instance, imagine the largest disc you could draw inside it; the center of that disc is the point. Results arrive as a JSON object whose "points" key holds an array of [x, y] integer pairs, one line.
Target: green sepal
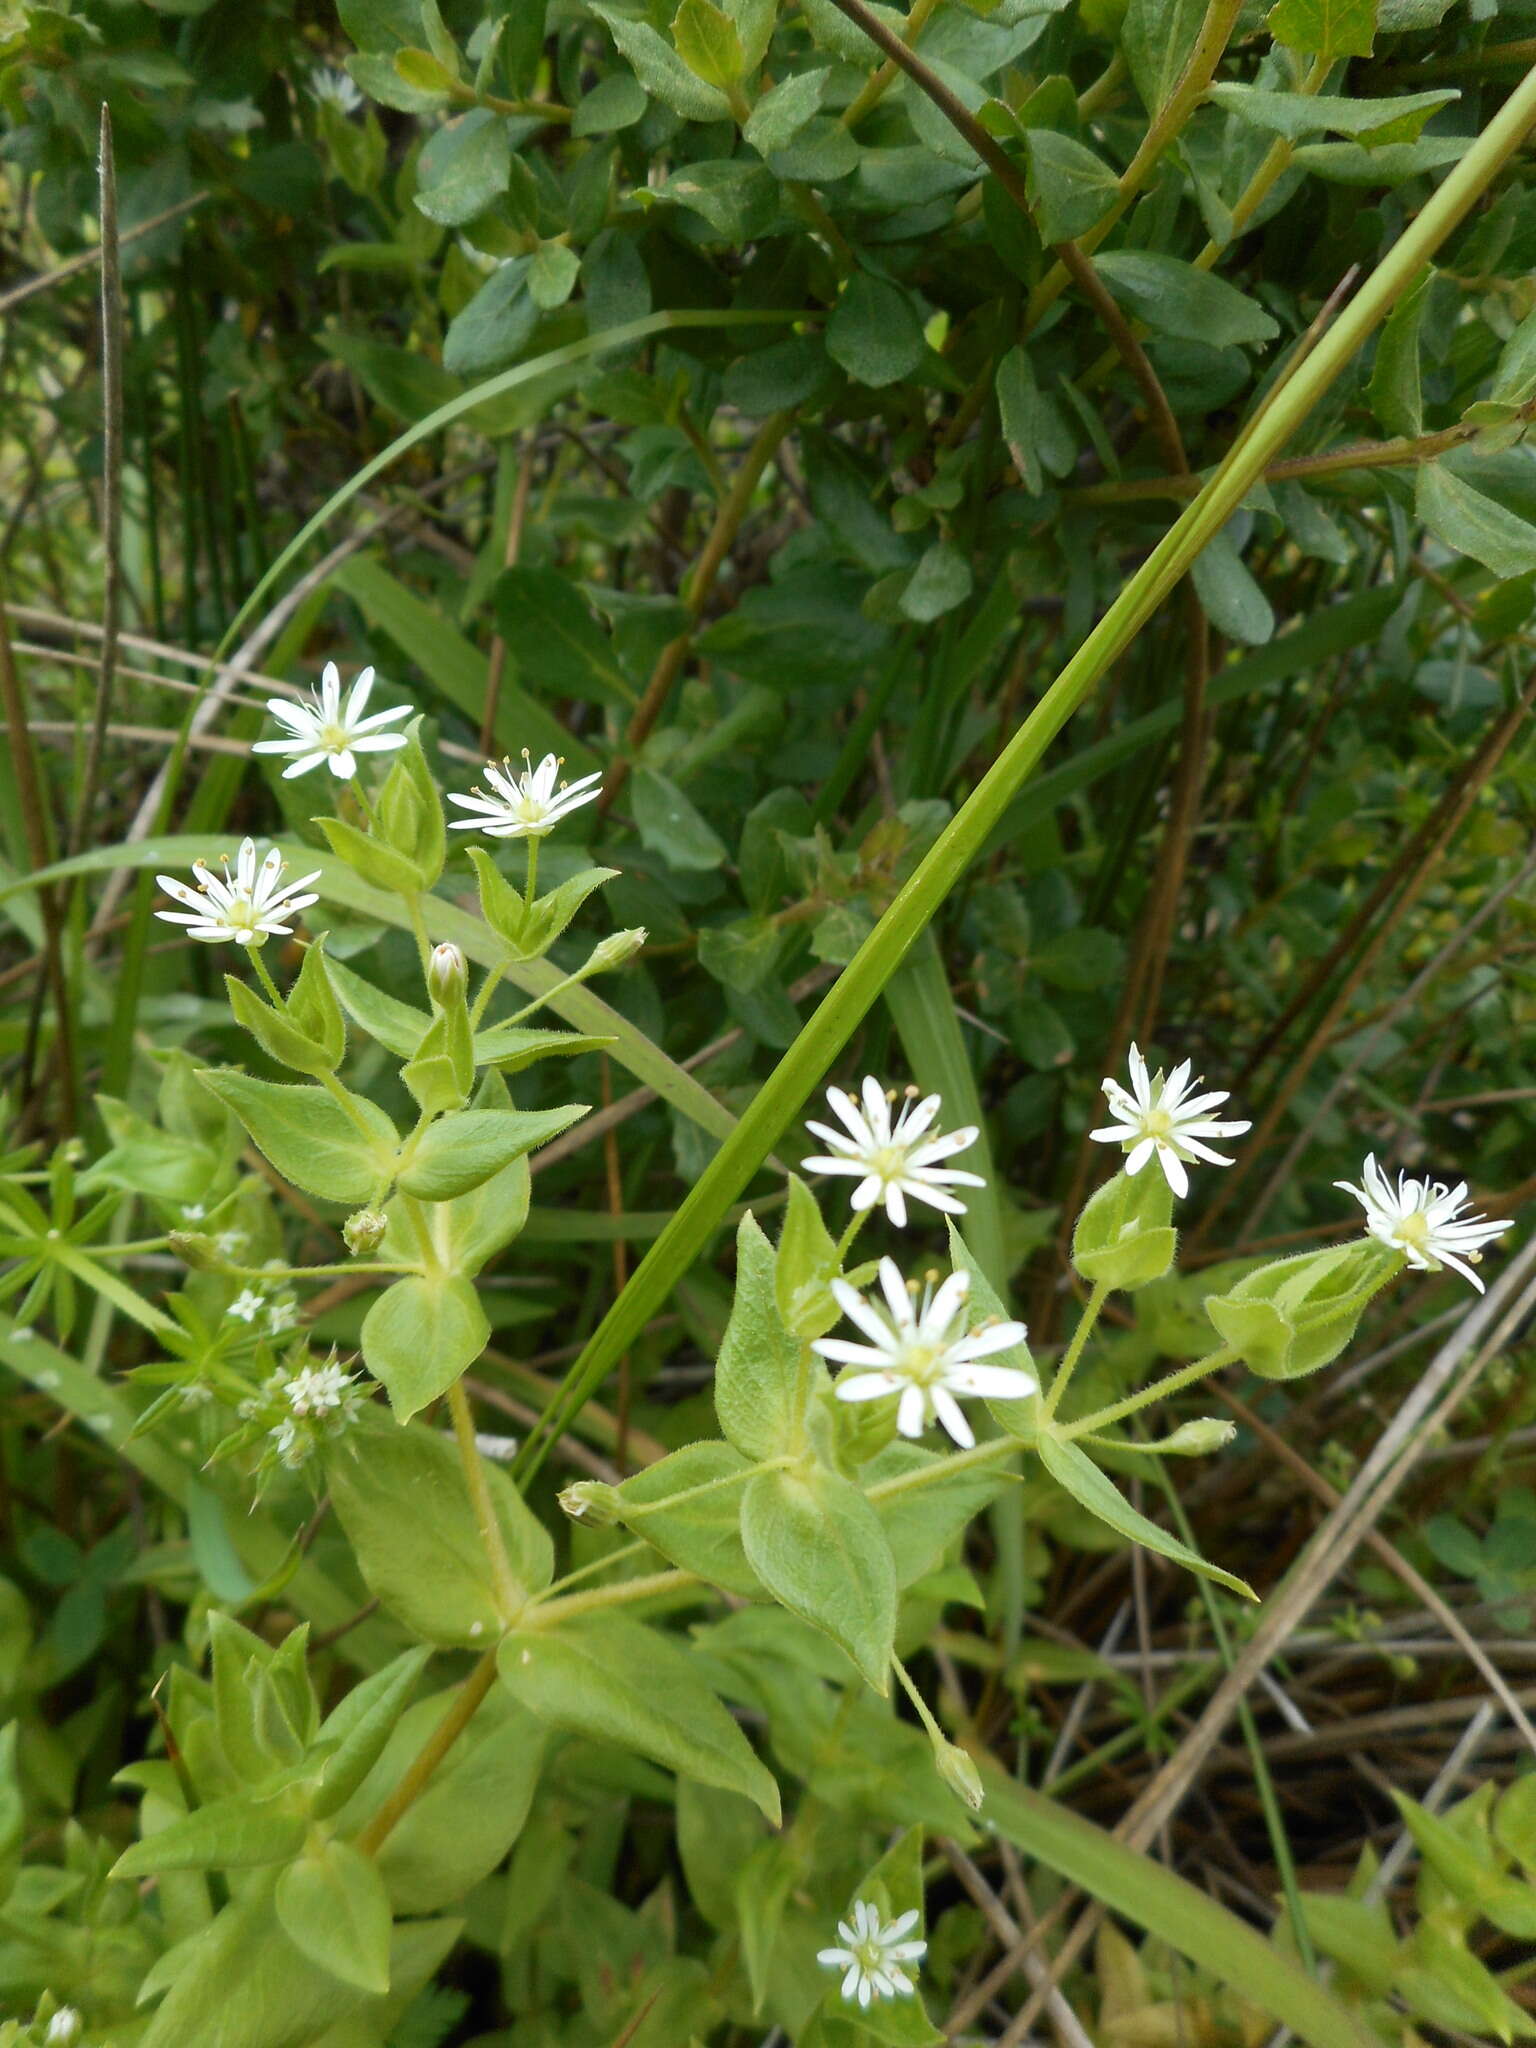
{"points": [[530, 930], [442, 1072], [1295, 1315], [804, 1267], [369, 857], [1124, 1237], [411, 812]]}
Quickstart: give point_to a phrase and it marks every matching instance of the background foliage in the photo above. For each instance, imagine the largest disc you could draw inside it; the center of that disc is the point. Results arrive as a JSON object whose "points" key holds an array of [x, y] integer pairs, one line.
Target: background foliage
{"points": [[825, 456]]}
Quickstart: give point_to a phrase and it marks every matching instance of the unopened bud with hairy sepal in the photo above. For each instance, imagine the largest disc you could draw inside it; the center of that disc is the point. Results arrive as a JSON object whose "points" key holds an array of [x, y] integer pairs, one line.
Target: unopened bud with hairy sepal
{"points": [[447, 975], [959, 1773], [615, 950], [1198, 1438], [363, 1231], [592, 1502], [195, 1248]]}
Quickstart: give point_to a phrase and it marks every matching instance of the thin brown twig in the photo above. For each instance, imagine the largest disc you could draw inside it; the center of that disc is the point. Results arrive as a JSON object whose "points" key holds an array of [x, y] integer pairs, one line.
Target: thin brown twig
{"points": [[697, 586]]}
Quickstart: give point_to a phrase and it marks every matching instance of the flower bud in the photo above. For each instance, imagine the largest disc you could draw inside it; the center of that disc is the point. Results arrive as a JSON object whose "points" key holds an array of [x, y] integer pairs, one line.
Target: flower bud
{"points": [[195, 1248], [363, 1231], [959, 1773], [616, 949], [63, 2028], [447, 975], [592, 1502], [1194, 1439]]}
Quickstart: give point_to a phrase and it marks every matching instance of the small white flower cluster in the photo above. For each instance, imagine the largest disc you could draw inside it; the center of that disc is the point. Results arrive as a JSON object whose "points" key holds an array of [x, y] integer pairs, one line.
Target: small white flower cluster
{"points": [[268, 1311], [874, 1955], [315, 1401]]}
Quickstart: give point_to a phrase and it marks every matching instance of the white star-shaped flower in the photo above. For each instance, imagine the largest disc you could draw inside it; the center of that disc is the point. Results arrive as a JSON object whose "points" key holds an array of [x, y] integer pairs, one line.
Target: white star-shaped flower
{"points": [[874, 1955], [1163, 1117], [247, 1305], [336, 89], [920, 1350], [324, 730], [1419, 1219], [892, 1160], [320, 1390], [527, 802], [245, 907]]}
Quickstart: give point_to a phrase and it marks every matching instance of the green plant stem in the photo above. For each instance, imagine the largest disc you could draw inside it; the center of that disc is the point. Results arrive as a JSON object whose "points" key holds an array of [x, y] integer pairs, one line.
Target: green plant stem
{"points": [[437, 1745], [780, 1097], [354, 1115], [532, 888], [991, 1452], [874, 88], [856, 1223], [264, 975], [1264, 179], [487, 989], [625, 1550], [1159, 1390], [1209, 47], [348, 1266], [511, 1597], [931, 1727], [1085, 1322], [544, 1610], [412, 904]]}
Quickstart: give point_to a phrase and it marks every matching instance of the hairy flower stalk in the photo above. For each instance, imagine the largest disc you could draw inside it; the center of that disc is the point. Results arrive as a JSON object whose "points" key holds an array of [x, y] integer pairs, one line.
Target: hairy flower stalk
{"points": [[244, 908], [893, 1160], [526, 803], [874, 1955], [1162, 1118], [1419, 1218], [323, 729], [918, 1348]]}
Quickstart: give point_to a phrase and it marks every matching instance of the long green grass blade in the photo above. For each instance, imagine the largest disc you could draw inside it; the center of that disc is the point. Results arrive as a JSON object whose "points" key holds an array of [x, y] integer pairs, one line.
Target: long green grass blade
{"points": [[1166, 1905]]}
